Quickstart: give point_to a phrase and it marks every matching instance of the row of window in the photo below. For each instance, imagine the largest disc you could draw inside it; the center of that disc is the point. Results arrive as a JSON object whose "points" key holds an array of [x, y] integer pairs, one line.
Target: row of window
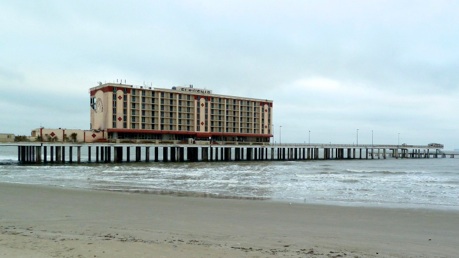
{"points": [[145, 115], [135, 92], [190, 107], [171, 96]]}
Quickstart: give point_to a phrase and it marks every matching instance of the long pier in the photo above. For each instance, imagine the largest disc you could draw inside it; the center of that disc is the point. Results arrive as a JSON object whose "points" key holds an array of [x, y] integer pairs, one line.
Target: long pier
{"points": [[42, 153]]}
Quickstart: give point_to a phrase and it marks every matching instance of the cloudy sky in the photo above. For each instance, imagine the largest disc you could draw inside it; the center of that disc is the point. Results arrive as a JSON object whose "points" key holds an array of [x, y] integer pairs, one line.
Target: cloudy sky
{"points": [[331, 67]]}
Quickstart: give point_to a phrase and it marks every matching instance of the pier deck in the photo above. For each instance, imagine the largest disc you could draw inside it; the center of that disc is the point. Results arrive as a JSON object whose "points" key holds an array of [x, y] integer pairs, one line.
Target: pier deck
{"points": [[37, 153]]}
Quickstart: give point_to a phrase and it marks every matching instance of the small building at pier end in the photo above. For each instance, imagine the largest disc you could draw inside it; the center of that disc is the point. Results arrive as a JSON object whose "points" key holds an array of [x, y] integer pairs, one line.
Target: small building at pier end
{"points": [[128, 113]]}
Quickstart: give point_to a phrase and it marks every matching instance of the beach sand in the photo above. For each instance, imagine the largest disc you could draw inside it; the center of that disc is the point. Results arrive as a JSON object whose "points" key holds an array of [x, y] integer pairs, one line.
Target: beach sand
{"points": [[38, 221]]}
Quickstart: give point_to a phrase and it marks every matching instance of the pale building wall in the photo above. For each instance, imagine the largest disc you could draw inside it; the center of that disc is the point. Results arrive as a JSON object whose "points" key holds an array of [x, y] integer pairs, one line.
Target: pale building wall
{"points": [[6, 137], [65, 135], [265, 113], [119, 109], [93, 136]]}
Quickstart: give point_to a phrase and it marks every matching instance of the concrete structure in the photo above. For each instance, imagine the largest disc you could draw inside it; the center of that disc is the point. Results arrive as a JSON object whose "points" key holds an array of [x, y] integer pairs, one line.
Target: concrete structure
{"points": [[66, 135], [178, 115], [30, 153], [6, 137]]}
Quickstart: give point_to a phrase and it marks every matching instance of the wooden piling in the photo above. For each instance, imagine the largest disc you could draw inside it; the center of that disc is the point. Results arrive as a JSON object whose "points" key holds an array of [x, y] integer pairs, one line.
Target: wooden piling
{"points": [[147, 154], [70, 154], [138, 154], [79, 154]]}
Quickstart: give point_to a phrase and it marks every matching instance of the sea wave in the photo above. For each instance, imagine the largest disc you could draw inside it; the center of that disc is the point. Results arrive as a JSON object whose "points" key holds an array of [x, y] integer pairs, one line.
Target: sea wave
{"points": [[377, 182], [7, 162]]}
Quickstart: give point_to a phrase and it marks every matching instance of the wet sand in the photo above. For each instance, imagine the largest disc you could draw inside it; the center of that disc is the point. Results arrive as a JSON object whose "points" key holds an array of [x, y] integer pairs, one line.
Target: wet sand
{"points": [[37, 221]]}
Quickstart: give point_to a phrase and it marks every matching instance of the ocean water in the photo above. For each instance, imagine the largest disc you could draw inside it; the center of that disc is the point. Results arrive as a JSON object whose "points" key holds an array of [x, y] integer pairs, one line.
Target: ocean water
{"points": [[411, 183]]}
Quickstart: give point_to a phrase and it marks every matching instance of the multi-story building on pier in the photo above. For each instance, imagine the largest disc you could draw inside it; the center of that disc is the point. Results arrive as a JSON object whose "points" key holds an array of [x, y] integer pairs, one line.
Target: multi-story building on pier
{"points": [[127, 112]]}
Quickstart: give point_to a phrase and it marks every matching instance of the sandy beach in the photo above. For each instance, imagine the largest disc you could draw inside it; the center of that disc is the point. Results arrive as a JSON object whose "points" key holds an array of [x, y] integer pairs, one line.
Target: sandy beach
{"points": [[38, 221]]}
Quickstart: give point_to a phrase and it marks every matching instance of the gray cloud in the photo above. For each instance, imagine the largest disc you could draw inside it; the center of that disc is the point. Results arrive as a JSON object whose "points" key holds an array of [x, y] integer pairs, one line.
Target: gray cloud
{"points": [[331, 67]]}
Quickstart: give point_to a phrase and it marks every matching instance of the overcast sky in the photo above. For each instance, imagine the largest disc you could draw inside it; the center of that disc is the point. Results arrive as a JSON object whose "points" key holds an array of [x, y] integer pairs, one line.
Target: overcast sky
{"points": [[331, 67]]}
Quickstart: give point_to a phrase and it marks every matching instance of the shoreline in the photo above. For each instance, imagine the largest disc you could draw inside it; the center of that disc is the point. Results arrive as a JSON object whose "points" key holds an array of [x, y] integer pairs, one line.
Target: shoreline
{"points": [[184, 194], [43, 221]]}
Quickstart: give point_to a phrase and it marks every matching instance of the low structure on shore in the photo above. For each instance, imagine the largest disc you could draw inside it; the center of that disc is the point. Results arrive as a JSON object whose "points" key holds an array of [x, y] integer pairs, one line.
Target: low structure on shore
{"points": [[67, 135], [6, 137]]}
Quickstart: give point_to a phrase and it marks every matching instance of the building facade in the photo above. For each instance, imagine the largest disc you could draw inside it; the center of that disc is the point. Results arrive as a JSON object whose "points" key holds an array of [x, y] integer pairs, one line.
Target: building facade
{"points": [[66, 135], [6, 137], [180, 114]]}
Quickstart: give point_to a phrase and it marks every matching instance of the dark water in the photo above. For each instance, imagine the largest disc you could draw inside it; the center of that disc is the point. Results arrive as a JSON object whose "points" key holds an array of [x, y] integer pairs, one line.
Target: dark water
{"points": [[414, 183]]}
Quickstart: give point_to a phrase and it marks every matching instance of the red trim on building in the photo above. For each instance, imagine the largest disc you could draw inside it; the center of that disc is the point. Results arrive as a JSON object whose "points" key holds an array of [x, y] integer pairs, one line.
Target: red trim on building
{"points": [[203, 135], [110, 89], [120, 130], [197, 134]]}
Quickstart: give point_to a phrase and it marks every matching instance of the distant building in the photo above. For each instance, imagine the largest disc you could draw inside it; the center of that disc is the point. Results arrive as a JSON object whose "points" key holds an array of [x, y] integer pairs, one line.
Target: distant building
{"points": [[181, 114], [6, 137]]}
